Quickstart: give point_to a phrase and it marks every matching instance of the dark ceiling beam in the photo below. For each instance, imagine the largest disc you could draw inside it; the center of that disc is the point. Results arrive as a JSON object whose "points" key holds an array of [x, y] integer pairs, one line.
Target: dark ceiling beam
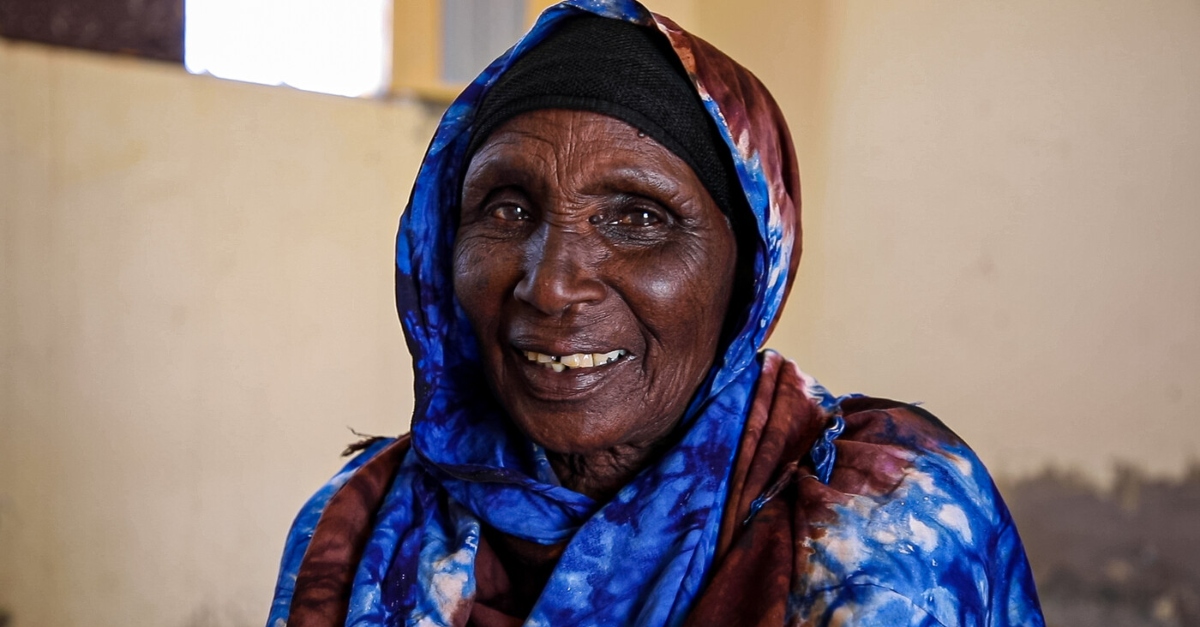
{"points": [[146, 28]]}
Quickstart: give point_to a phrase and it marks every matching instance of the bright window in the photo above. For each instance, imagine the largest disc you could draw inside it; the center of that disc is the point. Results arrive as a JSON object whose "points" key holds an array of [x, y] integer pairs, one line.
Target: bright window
{"points": [[332, 46]]}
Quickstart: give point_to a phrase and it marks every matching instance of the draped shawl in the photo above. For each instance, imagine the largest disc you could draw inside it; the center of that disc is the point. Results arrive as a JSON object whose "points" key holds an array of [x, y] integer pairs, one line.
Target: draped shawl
{"points": [[780, 503]]}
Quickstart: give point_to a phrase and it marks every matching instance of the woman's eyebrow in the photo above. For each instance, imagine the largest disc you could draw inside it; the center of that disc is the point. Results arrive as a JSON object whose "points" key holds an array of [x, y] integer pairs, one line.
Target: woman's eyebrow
{"points": [[659, 187], [650, 179], [504, 171]]}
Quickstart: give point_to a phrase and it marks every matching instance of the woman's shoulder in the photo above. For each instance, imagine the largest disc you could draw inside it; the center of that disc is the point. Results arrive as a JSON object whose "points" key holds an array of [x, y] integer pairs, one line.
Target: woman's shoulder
{"points": [[860, 510], [911, 513], [885, 444]]}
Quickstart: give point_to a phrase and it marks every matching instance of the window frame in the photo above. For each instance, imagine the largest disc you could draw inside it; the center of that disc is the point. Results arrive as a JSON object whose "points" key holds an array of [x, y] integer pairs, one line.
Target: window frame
{"points": [[417, 49]]}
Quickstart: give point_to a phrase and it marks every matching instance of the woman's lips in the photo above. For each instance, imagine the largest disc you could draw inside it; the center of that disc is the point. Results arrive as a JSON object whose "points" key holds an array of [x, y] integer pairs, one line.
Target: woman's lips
{"points": [[557, 378], [574, 361]]}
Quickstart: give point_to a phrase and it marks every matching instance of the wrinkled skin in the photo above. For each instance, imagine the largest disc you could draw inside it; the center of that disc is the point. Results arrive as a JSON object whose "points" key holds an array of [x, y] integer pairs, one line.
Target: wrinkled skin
{"points": [[578, 234]]}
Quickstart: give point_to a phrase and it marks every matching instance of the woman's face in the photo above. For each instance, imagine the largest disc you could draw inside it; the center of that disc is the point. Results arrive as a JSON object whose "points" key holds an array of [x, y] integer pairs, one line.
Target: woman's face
{"points": [[596, 271]]}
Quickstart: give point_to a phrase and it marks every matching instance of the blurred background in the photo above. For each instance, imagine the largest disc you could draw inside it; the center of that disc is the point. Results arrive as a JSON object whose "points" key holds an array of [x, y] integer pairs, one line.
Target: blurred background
{"points": [[1002, 216]]}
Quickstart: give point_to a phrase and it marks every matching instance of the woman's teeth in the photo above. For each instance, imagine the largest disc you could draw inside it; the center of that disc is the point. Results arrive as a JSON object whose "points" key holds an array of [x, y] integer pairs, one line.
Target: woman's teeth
{"points": [[578, 360]]}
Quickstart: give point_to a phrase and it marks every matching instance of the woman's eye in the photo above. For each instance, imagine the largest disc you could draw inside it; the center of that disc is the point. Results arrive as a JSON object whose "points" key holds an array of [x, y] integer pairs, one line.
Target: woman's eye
{"points": [[638, 217], [510, 212]]}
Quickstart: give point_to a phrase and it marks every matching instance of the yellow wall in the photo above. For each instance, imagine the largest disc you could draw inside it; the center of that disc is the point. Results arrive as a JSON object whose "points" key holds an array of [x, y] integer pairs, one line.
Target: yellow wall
{"points": [[196, 304], [1002, 209], [1002, 214]]}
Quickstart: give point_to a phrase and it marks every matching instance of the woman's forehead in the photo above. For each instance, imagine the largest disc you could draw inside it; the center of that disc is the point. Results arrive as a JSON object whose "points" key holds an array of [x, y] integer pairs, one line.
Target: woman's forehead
{"points": [[550, 141], [556, 127]]}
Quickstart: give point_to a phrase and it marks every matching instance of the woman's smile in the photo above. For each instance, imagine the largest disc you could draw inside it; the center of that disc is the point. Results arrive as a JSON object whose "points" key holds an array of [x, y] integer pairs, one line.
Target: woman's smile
{"points": [[574, 361], [575, 377]]}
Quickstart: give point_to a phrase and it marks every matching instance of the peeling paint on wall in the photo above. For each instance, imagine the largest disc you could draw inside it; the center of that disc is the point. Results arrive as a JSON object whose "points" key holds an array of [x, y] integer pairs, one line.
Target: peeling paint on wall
{"points": [[1127, 556]]}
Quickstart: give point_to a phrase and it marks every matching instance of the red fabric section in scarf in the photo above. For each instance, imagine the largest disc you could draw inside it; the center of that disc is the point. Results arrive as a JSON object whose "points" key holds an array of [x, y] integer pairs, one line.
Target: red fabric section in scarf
{"points": [[326, 574]]}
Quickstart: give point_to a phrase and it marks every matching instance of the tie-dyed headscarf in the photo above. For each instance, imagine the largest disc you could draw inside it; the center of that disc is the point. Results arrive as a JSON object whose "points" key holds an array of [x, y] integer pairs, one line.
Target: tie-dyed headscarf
{"points": [[644, 557]]}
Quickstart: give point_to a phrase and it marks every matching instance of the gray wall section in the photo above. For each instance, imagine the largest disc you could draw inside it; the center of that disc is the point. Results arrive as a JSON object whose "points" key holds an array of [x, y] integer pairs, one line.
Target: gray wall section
{"points": [[476, 32], [1128, 556]]}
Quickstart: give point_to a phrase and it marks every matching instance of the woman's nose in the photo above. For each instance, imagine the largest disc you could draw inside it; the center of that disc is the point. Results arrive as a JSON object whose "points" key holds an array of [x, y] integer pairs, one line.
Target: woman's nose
{"points": [[561, 273]]}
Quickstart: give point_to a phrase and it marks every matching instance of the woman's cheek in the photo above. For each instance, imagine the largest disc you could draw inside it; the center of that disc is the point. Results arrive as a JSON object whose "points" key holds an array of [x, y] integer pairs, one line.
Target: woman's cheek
{"points": [[682, 296], [473, 277], [679, 284]]}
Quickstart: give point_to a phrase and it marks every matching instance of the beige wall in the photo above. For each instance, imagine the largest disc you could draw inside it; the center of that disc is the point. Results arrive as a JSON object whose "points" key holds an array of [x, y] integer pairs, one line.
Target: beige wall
{"points": [[1002, 205], [196, 304], [1001, 202]]}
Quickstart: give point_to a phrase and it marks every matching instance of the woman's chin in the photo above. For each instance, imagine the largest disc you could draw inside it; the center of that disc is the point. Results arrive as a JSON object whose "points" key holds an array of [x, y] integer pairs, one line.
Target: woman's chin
{"points": [[594, 435], [597, 412], [571, 434]]}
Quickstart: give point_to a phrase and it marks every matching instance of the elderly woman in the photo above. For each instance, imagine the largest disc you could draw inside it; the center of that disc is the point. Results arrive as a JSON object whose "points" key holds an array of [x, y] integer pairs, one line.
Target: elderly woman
{"points": [[600, 238]]}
